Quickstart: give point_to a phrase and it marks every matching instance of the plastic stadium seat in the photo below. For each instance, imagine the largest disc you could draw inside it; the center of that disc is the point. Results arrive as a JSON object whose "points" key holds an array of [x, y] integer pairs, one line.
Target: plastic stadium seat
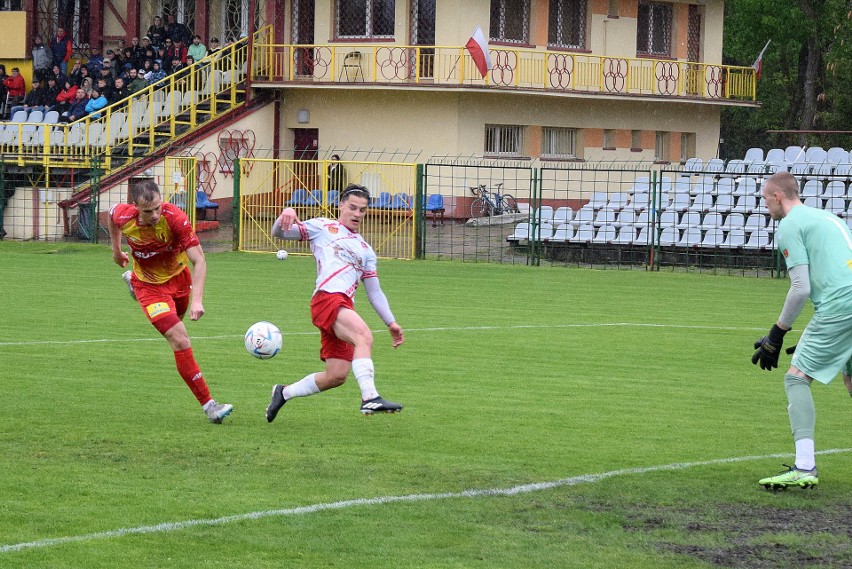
{"points": [[299, 197], [543, 231], [669, 218], [680, 202], [625, 235], [735, 238], [617, 200], [775, 156], [562, 215], [642, 238], [604, 217], [758, 240], [585, 214], [334, 199], [544, 213], [690, 219], [564, 232], [701, 185], [812, 188], [834, 189], [715, 165], [735, 167], [711, 221], [638, 202], [584, 234], [641, 185], [713, 238], [755, 222], [203, 203], [605, 234], [626, 218], [813, 201], [702, 203], [794, 154], [733, 221], [725, 186], [51, 117], [521, 232], [745, 187], [400, 201], [382, 202], [599, 200], [815, 155], [693, 165], [800, 168], [723, 204], [754, 155], [843, 170], [835, 205], [669, 236], [837, 155], [691, 236]]}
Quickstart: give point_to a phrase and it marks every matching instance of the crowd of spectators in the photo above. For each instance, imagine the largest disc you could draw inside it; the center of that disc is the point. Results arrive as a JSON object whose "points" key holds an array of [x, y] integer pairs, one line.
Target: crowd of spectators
{"points": [[66, 83]]}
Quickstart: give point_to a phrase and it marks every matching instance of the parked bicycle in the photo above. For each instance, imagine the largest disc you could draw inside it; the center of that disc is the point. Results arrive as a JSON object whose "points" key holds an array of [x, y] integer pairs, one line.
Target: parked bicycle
{"points": [[491, 203]]}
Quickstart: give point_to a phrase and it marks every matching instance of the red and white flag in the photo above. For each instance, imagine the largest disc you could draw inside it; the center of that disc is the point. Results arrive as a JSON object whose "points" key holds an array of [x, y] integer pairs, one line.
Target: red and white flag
{"points": [[758, 63], [478, 49]]}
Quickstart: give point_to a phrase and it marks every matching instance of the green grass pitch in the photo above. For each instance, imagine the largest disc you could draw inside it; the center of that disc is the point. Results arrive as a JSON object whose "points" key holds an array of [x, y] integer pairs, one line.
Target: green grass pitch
{"points": [[627, 397]]}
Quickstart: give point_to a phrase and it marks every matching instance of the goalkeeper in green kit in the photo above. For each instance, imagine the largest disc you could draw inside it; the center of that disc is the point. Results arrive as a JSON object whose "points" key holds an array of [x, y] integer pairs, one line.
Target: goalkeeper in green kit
{"points": [[817, 247]]}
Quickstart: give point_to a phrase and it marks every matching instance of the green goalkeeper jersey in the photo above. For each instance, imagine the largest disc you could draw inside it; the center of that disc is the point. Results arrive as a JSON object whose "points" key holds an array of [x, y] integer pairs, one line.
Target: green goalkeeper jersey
{"points": [[821, 240]]}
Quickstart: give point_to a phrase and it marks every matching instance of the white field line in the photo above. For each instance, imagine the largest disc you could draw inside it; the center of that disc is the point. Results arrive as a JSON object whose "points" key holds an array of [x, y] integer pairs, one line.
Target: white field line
{"points": [[432, 329], [343, 504]]}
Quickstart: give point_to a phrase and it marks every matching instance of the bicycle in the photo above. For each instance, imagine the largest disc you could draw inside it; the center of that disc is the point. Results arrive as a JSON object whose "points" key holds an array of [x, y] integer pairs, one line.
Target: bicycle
{"points": [[491, 203]]}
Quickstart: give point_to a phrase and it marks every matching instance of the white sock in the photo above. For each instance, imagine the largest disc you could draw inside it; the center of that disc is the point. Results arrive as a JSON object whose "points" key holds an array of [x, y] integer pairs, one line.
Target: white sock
{"points": [[805, 459], [302, 388], [364, 373]]}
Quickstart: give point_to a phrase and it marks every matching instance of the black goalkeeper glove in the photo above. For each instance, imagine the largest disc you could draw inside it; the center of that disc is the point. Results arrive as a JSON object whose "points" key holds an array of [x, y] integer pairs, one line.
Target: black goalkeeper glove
{"points": [[768, 348]]}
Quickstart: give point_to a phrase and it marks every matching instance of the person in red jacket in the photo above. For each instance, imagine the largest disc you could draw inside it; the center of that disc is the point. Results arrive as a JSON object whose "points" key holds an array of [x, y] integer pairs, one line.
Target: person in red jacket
{"points": [[15, 87], [61, 48]]}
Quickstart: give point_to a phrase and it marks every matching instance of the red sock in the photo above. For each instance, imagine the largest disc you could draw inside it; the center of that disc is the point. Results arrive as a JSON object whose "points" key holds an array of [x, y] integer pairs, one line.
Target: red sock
{"points": [[191, 374]]}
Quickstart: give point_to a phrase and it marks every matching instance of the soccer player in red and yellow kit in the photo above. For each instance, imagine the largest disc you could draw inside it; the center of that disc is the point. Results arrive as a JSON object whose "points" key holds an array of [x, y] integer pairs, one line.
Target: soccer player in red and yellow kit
{"points": [[163, 244]]}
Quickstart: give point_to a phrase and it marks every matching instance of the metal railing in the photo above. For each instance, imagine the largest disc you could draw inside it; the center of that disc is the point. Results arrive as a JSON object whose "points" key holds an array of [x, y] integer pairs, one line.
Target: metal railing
{"points": [[517, 68]]}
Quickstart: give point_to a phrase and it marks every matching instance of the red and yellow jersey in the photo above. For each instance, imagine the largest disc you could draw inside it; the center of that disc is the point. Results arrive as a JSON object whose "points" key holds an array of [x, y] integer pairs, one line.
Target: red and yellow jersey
{"points": [[159, 251]]}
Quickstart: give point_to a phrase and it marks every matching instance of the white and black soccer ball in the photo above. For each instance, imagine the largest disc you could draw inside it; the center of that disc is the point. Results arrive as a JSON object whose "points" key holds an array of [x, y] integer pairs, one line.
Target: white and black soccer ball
{"points": [[263, 340]]}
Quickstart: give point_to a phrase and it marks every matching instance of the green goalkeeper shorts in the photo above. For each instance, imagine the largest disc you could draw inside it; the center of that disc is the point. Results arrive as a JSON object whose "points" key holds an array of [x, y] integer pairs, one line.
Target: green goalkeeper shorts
{"points": [[825, 348]]}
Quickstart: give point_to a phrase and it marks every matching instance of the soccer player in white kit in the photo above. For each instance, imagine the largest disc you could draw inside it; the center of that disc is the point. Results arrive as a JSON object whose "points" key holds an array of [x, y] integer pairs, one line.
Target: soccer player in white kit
{"points": [[343, 258]]}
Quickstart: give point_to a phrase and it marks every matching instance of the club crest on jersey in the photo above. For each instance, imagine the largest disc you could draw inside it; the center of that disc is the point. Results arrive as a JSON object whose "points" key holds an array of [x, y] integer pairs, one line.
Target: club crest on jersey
{"points": [[333, 229], [156, 309], [786, 253]]}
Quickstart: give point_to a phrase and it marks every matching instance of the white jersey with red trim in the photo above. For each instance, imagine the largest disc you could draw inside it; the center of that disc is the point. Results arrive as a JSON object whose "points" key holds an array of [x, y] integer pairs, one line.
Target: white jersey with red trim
{"points": [[343, 257]]}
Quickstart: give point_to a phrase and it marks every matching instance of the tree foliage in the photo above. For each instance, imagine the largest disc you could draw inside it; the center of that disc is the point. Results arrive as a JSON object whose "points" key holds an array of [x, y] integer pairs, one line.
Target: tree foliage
{"points": [[807, 72]]}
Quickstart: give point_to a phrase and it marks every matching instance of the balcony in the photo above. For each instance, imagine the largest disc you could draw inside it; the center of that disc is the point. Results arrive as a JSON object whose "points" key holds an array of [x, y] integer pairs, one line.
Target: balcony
{"points": [[529, 70]]}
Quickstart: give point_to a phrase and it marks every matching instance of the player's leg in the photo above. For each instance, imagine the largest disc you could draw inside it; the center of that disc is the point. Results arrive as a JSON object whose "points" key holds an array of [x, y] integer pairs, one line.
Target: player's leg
{"points": [[351, 328], [847, 377], [164, 311]]}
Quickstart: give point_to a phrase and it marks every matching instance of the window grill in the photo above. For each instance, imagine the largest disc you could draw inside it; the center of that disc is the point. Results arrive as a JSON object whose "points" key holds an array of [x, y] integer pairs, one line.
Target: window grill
{"points": [[503, 140], [365, 18], [654, 28], [567, 26], [510, 21], [73, 17], [559, 143], [11, 5], [661, 147]]}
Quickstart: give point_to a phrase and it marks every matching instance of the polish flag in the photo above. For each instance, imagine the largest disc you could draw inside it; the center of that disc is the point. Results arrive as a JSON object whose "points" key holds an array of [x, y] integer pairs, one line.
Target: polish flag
{"points": [[758, 63], [478, 49]]}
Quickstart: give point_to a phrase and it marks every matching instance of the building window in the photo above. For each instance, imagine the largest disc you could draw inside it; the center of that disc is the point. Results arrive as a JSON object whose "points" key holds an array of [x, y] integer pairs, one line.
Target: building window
{"points": [[559, 143], [609, 139], [661, 147], [654, 28], [567, 26], [503, 140], [510, 21], [365, 18], [687, 146], [11, 5], [636, 140]]}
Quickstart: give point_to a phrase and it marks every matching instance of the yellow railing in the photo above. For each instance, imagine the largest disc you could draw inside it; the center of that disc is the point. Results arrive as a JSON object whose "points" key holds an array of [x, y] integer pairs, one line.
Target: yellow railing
{"points": [[266, 186], [151, 118], [512, 68]]}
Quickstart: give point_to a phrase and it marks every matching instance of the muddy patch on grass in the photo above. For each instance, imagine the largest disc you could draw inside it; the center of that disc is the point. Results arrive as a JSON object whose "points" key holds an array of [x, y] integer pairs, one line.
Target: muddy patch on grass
{"points": [[756, 537]]}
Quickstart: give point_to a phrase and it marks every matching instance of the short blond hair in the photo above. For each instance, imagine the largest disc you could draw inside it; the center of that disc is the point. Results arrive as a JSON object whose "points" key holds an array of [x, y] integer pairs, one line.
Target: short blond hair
{"points": [[786, 183]]}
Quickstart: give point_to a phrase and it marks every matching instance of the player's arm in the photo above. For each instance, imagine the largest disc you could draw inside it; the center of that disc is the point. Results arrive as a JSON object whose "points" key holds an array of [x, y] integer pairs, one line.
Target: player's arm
{"points": [[769, 347], [288, 226], [379, 302], [199, 276], [120, 257]]}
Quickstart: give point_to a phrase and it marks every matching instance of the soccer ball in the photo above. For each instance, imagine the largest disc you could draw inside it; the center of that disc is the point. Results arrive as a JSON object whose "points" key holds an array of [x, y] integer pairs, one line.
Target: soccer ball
{"points": [[263, 340], [281, 254]]}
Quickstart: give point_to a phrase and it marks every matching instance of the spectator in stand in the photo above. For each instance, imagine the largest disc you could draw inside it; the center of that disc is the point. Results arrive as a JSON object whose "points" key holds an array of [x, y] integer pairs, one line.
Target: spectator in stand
{"points": [[119, 92], [157, 32], [77, 109], [86, 86], [136, 80], [42, 59], [56, 73], [107, 73], [32, 100], [177, 31], [15, 86], [110, 63], [51, 92], [76, 72], [96, 103], [157, 73], [177, 50], [214, 46], [150, 53], [147, 67], [177, 65], [66, 97], [96, 61], [103, 88], [197, 50], [163, 56], [137, 52], [61, 48]]}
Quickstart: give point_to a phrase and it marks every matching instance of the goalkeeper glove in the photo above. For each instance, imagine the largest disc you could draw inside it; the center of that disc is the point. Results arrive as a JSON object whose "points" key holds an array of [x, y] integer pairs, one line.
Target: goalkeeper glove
{"points": [[768, 348]]}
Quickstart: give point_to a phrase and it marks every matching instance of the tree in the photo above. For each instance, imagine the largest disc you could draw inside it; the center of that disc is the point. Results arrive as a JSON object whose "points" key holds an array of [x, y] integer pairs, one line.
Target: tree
{"points": [[806, 71]]}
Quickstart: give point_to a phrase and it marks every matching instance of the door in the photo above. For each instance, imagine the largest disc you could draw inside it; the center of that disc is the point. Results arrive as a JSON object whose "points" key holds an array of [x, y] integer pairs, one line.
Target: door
{"points": [[423, 36], [303, 35], [306, 147]]}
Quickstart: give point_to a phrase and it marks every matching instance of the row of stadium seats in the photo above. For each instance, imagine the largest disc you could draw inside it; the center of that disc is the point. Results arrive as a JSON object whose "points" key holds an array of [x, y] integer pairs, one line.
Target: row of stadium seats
{"points": [[633, 235], [752, 222], [793, 159], [385, 200]]}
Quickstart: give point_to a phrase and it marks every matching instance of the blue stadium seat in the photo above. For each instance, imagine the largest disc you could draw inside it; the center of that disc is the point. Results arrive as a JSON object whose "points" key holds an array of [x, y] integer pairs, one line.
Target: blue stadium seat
{"points": [[203, 203], [299, 197]]}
